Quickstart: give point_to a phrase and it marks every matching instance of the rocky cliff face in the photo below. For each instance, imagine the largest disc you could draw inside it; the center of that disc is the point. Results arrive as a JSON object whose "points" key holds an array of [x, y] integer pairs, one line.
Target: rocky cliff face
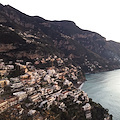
{"points": [[33, 37]]}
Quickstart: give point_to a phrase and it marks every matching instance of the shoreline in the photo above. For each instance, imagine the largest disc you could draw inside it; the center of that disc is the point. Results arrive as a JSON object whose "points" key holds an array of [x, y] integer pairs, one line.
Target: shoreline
{"points": [[80, 87]]}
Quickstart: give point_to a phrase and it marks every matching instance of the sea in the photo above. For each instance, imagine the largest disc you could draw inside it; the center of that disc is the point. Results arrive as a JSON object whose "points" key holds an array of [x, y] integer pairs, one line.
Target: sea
{"points": [[104, 88]]}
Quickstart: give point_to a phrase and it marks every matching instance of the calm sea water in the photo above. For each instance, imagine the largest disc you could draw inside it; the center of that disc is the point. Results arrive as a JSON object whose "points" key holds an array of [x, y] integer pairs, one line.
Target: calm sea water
{"points": [[104, 88]]}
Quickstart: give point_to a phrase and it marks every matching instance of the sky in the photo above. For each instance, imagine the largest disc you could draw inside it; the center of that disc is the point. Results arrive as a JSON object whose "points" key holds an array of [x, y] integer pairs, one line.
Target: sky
{"points": [[101, 16]]}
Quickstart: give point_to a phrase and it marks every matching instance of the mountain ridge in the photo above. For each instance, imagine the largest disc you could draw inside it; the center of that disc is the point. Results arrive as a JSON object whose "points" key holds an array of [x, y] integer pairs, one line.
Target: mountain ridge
{"points": [[54, 55], [88, 49]]}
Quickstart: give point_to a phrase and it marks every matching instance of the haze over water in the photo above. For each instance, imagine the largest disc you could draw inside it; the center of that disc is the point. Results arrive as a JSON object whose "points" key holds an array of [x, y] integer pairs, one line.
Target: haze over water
{"points": [[104, 88]]}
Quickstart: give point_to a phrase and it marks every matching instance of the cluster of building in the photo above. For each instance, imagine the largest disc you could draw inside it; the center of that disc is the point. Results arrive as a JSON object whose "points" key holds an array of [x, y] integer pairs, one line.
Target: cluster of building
{"points": [[91, 67], [41, 88]]}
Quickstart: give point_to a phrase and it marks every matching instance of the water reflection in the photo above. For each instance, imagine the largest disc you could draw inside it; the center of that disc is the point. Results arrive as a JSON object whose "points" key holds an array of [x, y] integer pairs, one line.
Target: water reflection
{"points": [[104, 88]]}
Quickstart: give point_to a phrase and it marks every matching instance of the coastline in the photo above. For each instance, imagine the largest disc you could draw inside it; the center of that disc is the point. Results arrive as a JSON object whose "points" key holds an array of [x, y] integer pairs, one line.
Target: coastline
{"points": [[80, 87]]}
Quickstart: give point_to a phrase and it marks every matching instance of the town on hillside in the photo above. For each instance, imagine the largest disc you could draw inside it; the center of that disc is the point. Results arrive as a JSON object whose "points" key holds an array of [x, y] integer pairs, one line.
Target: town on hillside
{"points": [[48, 92]]}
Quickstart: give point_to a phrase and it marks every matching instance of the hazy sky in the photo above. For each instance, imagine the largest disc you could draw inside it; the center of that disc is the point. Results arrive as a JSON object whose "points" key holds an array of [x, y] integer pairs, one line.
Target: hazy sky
{"points": [[101, 16]]}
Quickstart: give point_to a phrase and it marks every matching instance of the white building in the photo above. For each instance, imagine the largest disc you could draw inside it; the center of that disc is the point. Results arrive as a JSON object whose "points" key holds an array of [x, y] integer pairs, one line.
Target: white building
{"points": [[30, 90], [10, 67], [47, 78], [62, 106], [17, 85], [21, 95], [67, 82], [31, 112], [51, 72], [87, 106], [14, 80]]}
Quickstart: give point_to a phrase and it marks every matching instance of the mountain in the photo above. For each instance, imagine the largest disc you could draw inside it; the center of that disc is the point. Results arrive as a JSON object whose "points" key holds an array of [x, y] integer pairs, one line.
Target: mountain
{"points": [[30, 37]]}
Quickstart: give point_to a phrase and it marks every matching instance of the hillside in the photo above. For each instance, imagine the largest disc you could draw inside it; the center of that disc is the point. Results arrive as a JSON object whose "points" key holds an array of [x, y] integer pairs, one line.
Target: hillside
{"points": [[47, 93], [42, 65], [31, 37]]}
